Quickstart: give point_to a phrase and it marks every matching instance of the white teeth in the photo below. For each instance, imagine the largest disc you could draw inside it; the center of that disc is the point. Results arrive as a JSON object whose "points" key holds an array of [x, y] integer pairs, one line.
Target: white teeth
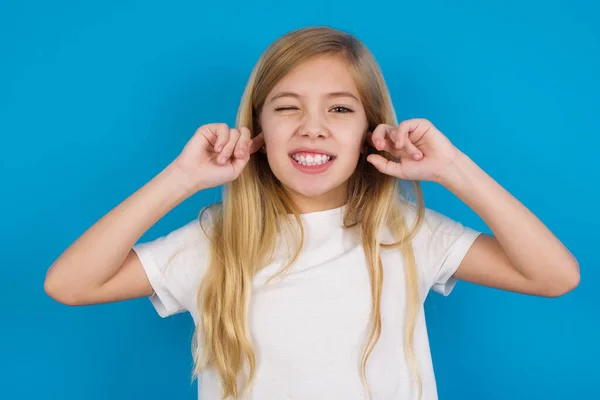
{"points": [[317, 159]]}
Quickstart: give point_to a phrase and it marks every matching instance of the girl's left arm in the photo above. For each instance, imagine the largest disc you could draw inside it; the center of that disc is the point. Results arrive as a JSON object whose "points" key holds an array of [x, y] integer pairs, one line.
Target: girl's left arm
{"points": [[522, 255]]}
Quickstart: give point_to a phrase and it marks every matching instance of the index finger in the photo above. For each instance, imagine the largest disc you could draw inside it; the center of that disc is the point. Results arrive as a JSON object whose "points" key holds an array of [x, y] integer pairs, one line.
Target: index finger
{"points": [[257, 142], [243, 142], [379, 134]]}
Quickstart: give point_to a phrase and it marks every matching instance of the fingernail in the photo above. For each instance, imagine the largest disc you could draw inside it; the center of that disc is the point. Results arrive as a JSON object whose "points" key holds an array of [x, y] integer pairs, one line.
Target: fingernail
{"points": [[222, 160], [417, 156]]}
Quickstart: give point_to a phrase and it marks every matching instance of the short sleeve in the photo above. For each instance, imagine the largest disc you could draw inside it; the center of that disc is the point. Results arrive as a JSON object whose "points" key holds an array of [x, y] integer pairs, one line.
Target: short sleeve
{"points": [[440, 245], [175, 264]]}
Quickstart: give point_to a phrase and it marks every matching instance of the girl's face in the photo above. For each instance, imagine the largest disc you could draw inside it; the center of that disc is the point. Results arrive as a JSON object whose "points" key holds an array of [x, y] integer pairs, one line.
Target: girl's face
{"points": [[314, 127]]}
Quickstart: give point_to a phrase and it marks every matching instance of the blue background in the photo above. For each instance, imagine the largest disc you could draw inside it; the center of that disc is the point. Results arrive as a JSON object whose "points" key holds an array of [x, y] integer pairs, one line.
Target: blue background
{"points": [[96, 98]]}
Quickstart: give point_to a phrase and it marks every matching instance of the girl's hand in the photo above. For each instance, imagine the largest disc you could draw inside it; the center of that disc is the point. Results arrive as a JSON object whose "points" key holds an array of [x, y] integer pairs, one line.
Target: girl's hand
{"points": [[216, 155], [423, 152]]}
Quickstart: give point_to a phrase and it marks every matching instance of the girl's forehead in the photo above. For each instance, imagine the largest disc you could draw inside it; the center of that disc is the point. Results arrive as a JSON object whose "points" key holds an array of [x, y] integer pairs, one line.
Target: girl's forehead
{"points": [[317, 76]]}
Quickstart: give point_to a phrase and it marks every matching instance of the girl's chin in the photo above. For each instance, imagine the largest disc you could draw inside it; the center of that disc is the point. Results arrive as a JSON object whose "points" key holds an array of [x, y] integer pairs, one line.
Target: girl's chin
{"points": [[315, 191]]}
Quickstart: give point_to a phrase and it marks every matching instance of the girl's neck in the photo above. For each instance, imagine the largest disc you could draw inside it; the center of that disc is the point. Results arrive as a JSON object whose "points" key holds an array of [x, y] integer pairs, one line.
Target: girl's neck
{"points": [[324, 202]]}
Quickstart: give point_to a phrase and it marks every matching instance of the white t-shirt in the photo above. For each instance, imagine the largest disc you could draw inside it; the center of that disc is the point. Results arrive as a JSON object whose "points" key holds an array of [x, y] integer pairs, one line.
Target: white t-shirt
{"points": [[309, 329]]}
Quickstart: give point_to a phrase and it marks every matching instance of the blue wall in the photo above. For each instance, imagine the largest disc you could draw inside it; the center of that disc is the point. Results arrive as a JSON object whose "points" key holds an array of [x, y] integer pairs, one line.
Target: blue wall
{"points": [[96, 98]]}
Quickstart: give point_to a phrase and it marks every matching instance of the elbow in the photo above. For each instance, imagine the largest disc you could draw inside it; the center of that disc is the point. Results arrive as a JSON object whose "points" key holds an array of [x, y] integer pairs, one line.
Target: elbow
{"points": [[567, 283], [54, 290]]}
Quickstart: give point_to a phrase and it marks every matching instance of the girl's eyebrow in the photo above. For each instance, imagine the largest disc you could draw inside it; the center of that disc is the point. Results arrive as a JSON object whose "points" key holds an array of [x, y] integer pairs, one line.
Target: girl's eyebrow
{"points": [[342, 94], [297, 96]]}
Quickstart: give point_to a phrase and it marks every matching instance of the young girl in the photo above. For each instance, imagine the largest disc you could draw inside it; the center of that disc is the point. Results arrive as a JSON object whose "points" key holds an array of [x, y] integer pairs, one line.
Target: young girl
{"points": [[308, 280]]}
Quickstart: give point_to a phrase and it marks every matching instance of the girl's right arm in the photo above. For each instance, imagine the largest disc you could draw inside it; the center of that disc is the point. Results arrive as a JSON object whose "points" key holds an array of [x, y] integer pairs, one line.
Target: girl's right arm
{"points": [[100, 266]]}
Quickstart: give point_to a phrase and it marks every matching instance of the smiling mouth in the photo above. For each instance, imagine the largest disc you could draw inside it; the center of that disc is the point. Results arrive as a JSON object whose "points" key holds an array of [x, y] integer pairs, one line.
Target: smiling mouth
{"points": [[311, 160]]}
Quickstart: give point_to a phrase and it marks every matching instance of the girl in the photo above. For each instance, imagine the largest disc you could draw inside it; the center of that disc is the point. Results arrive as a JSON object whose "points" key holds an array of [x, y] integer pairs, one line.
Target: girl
{"points": [[308, 280]]}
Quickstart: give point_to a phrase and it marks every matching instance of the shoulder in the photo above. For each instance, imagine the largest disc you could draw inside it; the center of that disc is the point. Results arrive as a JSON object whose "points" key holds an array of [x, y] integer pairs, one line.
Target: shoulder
{"points": [[439, 244], [433, 225], [189, 243], [176, 262]]}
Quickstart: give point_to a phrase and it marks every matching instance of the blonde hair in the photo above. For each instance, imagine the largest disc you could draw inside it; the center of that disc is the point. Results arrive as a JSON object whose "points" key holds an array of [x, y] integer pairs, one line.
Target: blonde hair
{"points": [[247, 224]]}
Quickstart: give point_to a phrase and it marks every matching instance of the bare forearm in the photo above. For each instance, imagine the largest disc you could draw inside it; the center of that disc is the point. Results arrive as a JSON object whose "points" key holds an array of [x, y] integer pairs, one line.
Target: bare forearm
{"points": [[531, 247], [99, 252]]}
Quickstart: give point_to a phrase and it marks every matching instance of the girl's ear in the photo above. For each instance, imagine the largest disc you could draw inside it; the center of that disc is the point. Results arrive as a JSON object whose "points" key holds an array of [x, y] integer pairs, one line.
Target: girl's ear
{"points": [[366, 143], [262, 149], [259, 129]]}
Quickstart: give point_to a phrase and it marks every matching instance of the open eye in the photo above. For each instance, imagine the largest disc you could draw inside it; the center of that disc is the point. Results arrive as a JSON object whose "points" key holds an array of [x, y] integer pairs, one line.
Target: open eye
{"points": [[341, 109]]}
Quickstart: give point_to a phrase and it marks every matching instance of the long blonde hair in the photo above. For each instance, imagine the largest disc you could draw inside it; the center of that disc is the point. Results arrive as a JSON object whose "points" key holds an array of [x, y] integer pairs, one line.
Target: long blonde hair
{"points": [[246, 226]]}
